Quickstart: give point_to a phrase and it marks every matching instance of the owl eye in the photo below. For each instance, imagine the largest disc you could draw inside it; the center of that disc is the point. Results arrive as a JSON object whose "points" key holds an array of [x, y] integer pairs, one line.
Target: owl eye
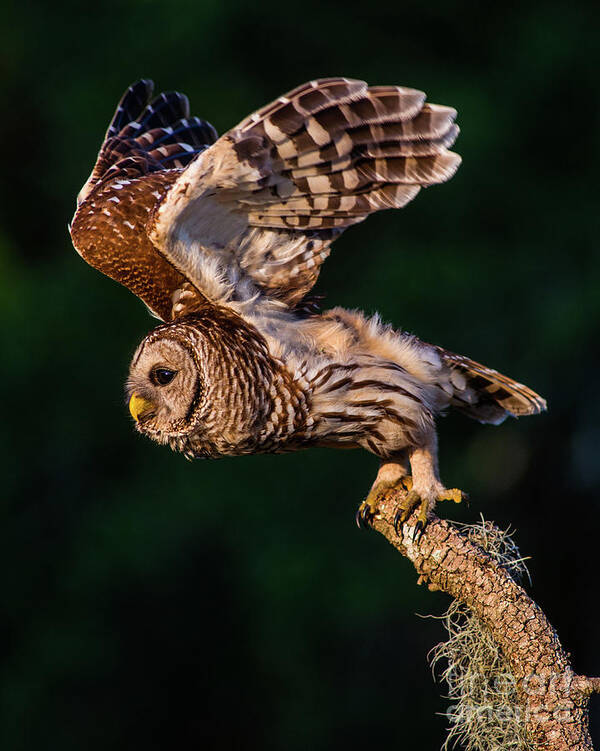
{"points": [[162, 376]]}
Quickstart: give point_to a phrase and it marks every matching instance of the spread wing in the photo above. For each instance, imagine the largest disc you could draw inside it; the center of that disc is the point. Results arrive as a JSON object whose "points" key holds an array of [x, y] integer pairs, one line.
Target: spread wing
{"points": [[257, 209], [269, 197], [147, 145]]}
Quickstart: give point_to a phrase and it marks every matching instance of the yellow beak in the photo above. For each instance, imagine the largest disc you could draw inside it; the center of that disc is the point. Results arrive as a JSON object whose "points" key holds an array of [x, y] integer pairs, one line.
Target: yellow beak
{"points": [[138, 406]]}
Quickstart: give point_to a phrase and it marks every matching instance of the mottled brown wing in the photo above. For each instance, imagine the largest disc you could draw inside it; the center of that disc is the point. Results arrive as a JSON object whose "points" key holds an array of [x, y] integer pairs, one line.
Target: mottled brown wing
{"points": [[271, 194], [147, 145]]}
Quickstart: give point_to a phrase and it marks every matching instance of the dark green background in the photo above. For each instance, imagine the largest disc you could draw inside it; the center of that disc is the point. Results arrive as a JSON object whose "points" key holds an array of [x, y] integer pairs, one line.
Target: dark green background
{"points": [[152, 603]]}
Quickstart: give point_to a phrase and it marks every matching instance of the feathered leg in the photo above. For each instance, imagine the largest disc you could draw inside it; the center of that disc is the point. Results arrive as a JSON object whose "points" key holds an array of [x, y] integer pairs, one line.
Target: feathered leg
{"points": [[427, 488]]}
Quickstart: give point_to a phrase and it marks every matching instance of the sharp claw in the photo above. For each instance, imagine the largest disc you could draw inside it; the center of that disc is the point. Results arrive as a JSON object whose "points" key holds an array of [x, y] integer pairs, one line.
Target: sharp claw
{"points": [[399, 518], [407, 482], [397, 522], [411, 500], [364, 516], [357, 518], [418, 532]]}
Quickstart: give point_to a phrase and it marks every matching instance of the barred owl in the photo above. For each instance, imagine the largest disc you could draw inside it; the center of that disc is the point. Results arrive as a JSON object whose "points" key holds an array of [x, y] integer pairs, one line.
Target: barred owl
{"points": [[223, 239]]}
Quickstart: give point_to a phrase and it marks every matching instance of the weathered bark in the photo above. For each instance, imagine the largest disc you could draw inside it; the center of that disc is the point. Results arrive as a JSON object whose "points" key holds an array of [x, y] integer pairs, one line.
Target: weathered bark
{"points": [[554, 699]]}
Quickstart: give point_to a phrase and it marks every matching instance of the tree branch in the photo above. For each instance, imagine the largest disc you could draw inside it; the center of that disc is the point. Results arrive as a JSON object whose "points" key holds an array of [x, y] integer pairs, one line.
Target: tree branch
{"points": [[553, 698]]}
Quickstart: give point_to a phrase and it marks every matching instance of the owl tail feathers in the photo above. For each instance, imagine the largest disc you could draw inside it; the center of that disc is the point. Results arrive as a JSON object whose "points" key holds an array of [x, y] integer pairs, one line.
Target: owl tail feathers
{"points": [[486, 395]]}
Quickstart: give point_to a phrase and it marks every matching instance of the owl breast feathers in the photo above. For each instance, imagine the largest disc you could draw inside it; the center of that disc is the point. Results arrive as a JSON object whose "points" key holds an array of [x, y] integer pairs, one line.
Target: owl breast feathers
{"points": [[223, 239]]}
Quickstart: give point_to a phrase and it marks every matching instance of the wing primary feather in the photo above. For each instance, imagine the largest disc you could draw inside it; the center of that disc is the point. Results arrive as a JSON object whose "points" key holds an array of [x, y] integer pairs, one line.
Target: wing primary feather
{"points": [[139, 127], [166, 108], [130, 106]]}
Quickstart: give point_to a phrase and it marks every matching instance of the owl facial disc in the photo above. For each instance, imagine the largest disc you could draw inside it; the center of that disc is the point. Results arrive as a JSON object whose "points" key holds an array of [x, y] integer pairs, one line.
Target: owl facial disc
{"points": [[163, 385]]}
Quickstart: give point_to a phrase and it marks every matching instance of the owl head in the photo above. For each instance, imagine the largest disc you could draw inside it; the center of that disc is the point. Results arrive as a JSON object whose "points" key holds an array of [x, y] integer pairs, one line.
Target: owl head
{"points": [[193, 385], [166, 382]]}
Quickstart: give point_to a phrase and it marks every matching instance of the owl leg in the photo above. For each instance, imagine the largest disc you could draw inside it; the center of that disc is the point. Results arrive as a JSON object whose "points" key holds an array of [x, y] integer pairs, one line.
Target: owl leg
{"points": [[427, 488], [392, 473]]}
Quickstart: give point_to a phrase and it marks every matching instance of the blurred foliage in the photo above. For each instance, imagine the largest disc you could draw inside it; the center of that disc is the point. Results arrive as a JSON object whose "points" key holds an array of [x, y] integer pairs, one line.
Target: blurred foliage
{"points": [[148, 602]]}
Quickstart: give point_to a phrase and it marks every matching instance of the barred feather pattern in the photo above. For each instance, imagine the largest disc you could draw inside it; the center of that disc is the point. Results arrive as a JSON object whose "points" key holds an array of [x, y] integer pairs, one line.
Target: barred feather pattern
{"points": [[245, 401], [248, 401], [258, 209], [291, 177], [486, 395], [334, 151], [360, 383], [224, 238]]}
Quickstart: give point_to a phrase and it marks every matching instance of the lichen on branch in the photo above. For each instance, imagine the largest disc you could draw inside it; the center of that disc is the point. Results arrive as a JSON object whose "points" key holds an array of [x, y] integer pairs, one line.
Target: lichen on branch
{"points": [[548, 703], [486, 712]]}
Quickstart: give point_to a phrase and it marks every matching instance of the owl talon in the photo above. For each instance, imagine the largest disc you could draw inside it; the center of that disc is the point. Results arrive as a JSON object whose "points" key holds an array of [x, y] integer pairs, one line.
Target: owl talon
{"points": [[422, 522], [407, 482], [365, 514], [368, 509], [412, 500]]}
